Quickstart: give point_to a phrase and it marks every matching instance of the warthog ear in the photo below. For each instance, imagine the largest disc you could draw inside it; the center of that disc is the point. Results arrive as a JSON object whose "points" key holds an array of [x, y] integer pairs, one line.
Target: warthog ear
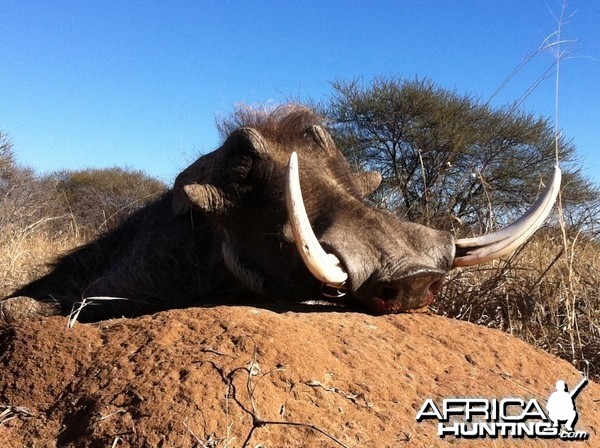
{"points": [[204, 183], [323, 138], [248, 139], [367, 182]]}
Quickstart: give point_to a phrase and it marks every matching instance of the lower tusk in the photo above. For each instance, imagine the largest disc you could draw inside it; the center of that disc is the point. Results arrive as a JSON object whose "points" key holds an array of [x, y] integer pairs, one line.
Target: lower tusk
{"points": [[324, 266], [333, 291], [471, 251]]}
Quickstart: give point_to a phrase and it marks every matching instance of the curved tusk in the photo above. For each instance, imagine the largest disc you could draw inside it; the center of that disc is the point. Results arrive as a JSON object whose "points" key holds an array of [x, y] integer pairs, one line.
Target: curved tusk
{"points": [[325, 267], [484, 248]]}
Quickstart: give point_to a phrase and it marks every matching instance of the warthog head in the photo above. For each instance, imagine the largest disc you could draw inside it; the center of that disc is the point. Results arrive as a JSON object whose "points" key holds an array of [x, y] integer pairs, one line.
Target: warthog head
{"points": [[295, 224]]}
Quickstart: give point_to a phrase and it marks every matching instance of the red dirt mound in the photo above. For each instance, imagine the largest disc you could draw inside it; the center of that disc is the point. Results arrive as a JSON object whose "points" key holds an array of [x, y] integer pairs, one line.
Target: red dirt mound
{"points": [[240, 376]]}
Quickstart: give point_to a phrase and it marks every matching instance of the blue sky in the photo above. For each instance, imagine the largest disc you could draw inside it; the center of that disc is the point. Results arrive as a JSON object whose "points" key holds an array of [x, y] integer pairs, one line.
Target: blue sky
{"points": [[139, 84]]}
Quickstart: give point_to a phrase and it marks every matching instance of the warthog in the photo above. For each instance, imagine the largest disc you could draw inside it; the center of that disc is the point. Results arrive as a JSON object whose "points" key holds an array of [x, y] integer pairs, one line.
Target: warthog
{"points": [[236, 226]]}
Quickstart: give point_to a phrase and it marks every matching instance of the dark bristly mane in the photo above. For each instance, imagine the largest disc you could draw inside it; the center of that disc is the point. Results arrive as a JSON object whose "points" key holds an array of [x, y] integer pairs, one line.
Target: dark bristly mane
{"points": [[282, 123]]}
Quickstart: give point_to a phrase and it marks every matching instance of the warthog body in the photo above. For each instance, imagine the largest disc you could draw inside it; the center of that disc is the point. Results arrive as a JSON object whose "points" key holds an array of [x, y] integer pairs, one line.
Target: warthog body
{"points": [[223, 235]]}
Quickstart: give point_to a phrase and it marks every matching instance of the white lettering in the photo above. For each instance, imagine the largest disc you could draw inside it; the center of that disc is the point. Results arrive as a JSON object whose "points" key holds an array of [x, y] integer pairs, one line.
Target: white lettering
{"points": [[533, 410], [477, 406], [505, 415], [434, 413], [516, 430], [453, 430], [458, 409]]}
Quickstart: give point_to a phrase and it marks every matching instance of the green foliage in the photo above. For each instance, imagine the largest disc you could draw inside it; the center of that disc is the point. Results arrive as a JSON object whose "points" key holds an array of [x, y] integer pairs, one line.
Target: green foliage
{"points": [[446, 158], [99, 199], [84, 202]]}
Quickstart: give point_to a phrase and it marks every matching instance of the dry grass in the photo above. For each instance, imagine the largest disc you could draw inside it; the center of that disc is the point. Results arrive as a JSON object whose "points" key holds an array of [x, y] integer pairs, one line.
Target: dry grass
{"points": [[25, 255], [543, 294]]}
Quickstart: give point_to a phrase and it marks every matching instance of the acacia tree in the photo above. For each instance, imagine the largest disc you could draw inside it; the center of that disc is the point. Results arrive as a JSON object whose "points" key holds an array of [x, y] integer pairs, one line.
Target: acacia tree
{"points": [[446, 158], [90, 200], [99, 199]]}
